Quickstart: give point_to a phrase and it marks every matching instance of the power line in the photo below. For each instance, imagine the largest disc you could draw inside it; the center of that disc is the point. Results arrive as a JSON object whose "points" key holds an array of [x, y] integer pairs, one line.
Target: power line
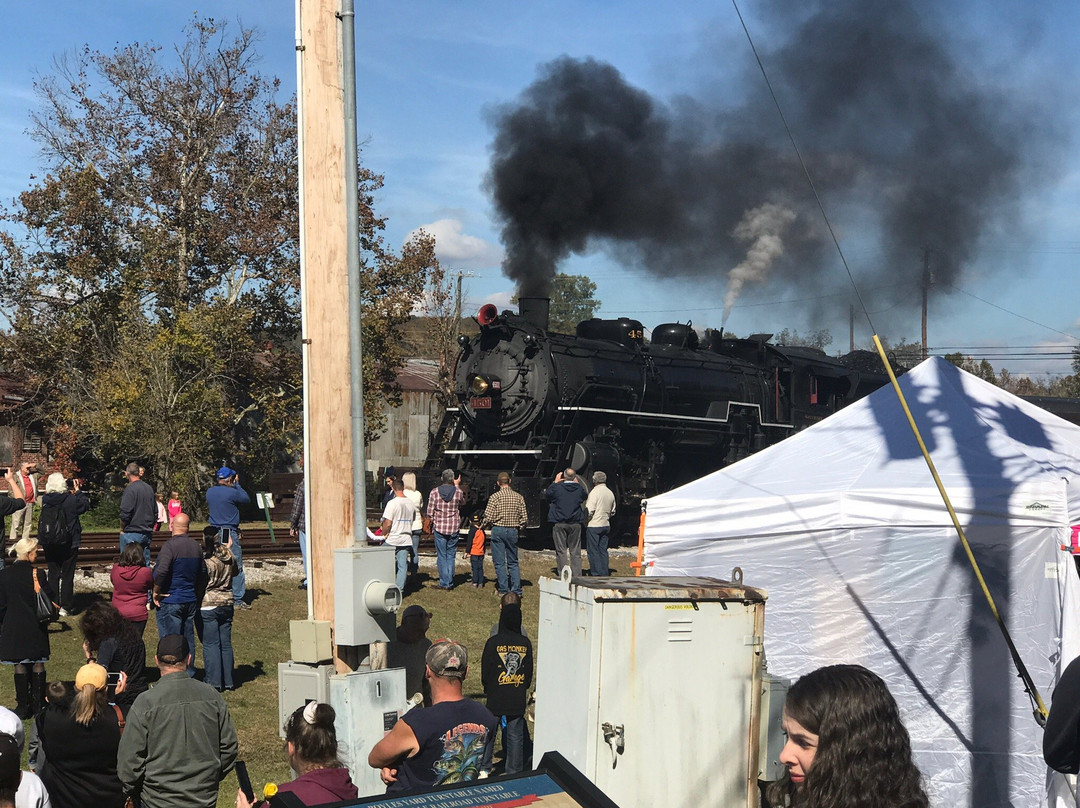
{"points": [[1007, 311]]}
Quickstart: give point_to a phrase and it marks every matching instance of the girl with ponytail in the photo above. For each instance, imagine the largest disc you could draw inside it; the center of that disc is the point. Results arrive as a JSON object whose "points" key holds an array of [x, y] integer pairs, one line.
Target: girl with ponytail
{"points": [[80, 746], [312, 749]]}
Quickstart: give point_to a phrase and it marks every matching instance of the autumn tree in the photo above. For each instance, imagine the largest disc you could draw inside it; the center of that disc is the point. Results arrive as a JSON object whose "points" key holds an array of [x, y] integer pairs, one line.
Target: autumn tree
{"points": [[152, 274]]}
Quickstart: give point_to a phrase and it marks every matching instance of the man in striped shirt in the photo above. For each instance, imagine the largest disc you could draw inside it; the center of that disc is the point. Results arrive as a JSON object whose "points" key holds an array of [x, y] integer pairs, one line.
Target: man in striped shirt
{"points": [[506, 515]]}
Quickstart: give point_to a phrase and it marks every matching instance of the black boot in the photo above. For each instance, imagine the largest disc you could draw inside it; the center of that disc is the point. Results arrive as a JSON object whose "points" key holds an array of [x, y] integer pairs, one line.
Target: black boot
{"points": [[37, 690], [23, 707]]}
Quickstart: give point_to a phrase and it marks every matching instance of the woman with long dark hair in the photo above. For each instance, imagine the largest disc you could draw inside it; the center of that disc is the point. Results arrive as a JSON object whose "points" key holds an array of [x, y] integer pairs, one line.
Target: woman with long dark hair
{"points": [[846, 745], [114, 643], [80, 746], [132, 583], [312, 747], [24, 640]]}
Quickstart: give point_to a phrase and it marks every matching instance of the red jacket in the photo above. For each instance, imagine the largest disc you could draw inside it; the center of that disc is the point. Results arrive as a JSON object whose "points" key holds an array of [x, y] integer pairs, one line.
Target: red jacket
{"points": [[130, 587]]}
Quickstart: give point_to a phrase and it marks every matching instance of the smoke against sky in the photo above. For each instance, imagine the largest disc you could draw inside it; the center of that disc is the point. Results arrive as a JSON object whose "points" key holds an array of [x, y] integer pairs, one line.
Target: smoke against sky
{"points": [[911, 141]]}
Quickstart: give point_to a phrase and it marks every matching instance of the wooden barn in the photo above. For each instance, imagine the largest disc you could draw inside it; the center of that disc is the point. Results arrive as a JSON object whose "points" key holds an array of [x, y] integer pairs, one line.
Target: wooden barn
{"points": [[404, 444]]}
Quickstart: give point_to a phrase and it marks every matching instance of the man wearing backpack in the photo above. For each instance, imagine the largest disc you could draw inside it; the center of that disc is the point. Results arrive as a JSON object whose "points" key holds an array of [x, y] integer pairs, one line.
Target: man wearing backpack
{"points": [[60, 533]]}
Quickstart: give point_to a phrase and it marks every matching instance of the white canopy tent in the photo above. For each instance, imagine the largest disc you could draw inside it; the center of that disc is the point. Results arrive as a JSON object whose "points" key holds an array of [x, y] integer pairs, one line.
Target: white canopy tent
{"points": [[843, 527]]}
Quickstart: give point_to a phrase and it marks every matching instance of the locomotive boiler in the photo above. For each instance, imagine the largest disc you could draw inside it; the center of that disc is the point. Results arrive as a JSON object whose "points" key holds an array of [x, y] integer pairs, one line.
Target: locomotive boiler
{"points": [[652, 414]]}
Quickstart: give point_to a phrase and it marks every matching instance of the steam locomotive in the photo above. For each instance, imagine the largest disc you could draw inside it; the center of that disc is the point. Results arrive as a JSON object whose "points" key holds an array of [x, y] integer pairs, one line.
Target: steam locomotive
{"points": [[650, 414]]}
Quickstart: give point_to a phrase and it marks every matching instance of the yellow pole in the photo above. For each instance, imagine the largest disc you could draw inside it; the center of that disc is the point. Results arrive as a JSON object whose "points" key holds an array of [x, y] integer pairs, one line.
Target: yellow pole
{"points": [[1041, 711]]}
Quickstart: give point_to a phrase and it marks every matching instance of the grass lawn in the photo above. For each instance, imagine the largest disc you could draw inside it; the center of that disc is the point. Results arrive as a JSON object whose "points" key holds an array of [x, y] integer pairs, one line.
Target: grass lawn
{"points": [[261, 641]]}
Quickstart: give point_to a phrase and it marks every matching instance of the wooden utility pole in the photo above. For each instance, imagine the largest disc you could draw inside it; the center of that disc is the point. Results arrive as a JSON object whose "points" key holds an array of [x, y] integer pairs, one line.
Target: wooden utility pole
{"points": [[325, 298], [851, 327]]}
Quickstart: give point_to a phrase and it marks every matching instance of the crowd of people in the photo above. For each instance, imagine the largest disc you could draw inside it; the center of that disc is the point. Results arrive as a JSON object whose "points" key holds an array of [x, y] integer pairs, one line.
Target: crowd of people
{"points": [[406, 514], [107, 737]]}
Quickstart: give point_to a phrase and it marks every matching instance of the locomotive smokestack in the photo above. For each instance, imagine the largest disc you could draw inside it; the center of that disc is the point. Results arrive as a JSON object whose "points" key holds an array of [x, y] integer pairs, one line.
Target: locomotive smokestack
{"points": [[535, 310]]}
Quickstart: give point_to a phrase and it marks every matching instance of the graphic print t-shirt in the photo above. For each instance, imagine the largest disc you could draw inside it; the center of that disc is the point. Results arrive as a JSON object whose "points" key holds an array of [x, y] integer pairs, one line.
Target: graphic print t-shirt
{"points": [[452, 735]]}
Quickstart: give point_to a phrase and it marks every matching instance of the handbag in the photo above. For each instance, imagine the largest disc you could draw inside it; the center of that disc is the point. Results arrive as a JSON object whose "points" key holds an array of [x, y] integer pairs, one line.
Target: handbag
{"points": [[47, 611]]}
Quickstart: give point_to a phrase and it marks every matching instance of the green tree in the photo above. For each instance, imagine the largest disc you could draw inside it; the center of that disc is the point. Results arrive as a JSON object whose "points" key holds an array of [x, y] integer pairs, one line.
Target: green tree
{"points": [[983, 369], [814, 339], [152, 275]]}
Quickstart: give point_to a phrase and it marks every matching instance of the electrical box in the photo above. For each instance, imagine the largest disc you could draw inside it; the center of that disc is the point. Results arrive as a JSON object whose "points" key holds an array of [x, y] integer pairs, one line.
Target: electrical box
{"points": [[640, 676], [367, 704], [773, 694], [365, 595], [297, 685], [309, 641]]}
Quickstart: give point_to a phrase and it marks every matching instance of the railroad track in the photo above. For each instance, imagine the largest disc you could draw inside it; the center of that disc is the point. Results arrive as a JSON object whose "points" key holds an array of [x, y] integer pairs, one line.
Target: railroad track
{"points": [[100, 548]]}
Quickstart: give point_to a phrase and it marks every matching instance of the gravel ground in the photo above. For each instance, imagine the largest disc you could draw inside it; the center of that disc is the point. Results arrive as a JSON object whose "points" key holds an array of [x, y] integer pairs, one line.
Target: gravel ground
{"points": [[259, 571]]}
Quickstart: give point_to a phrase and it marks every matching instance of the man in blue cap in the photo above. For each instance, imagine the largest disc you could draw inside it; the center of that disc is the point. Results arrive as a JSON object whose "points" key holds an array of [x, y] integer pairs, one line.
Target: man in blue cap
{"points": [[224, 500]]}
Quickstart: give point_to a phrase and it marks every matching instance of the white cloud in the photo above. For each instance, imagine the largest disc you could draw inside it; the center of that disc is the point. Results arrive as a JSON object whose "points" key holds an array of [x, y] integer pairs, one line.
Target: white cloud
{"points": [[456, 249]]}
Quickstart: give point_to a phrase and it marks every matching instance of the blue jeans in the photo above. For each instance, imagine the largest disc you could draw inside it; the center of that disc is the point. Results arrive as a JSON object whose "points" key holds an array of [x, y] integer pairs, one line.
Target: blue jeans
{"points": [[215, 631], [477, 569], [513, 741], [596, 542], [127, 538], [179, 618], [445, 550], [401, 562], [504, 554], [303, 552]]}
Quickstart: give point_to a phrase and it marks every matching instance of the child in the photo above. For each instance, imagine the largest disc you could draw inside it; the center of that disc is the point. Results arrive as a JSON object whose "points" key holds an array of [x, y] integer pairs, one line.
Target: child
{"points": [[174, 507], [58, 696], [162, 514], [476, 552]]}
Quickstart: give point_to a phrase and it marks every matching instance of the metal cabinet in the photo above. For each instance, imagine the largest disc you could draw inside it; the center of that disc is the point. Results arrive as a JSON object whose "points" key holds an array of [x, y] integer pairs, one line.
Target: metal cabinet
{"points": [[652, 687]]}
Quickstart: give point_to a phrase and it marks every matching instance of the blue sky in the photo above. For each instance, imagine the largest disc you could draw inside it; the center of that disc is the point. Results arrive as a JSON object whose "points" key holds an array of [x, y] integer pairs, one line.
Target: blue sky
{"points": [[431, 74]]}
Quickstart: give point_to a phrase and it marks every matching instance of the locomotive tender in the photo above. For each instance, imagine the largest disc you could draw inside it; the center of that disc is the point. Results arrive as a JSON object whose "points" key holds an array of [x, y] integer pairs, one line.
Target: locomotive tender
{"points": [[650, 414]]}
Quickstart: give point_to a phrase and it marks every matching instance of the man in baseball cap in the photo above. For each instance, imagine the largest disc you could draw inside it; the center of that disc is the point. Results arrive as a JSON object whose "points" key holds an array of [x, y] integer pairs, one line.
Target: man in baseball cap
{"points": [[429, 746], [179, 742], [223, 500]]}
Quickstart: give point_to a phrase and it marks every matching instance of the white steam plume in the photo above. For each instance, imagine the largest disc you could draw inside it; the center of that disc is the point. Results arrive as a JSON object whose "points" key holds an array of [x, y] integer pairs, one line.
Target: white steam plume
{"points": [[762, 227]]}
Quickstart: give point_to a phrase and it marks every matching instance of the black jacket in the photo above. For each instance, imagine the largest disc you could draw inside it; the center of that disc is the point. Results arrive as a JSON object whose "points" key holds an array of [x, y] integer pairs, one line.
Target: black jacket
{"points": [[73, 505], [1061, 737], [21, 636], [506, 668], [80, 761]]}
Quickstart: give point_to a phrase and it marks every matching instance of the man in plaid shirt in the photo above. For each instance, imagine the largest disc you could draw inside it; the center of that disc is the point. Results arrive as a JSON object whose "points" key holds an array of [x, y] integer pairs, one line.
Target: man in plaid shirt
{"points": [[444, 504], [506, 515]]}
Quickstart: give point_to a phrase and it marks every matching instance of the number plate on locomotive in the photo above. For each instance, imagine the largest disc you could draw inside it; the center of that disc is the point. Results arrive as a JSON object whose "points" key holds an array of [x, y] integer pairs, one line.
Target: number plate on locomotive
{"points": [[483, 403]]}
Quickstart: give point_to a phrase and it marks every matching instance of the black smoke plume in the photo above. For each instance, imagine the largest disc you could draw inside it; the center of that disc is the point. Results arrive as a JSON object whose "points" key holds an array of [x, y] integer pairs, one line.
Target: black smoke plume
{"points": [[909, 143]]}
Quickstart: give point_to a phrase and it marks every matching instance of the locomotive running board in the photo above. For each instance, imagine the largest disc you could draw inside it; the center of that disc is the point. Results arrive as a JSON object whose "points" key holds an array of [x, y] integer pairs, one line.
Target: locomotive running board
{"points": [[533, 452], [694, 418]]}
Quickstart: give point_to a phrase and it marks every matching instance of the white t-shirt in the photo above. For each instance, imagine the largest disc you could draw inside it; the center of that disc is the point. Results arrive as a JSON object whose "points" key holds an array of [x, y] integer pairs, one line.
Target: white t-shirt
{"points": [[417, 499], [31, 793], [400, 511]]}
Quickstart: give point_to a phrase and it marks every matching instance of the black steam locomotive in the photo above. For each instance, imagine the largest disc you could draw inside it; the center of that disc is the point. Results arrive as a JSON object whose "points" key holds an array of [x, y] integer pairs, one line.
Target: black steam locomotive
{"points": [[650, 414]]}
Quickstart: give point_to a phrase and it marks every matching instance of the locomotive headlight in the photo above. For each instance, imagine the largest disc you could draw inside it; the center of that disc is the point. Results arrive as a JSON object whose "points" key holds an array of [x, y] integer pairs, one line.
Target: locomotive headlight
{"points": [[478, 385]]}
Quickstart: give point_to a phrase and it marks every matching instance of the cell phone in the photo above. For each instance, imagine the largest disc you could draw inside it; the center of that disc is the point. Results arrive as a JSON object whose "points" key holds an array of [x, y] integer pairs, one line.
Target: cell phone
{"points": [[244, 781], [224, 535], [112, 679]]}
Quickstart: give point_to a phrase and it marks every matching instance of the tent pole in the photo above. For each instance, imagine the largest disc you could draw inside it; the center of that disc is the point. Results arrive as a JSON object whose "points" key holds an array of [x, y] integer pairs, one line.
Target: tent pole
{"points": [[640, 542], [1029, 684]]}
